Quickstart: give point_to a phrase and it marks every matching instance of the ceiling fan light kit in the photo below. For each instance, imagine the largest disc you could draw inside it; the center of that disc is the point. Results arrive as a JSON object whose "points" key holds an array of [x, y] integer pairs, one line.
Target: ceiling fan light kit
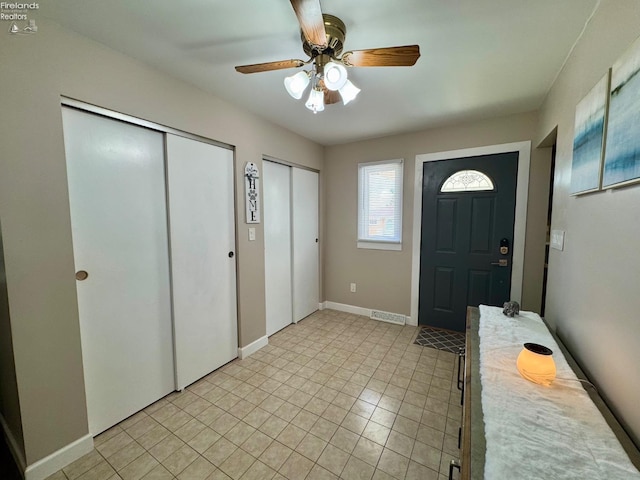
{"points": [[330, 76], [335, 76], [323, 39], [315, 103], [296, 84], [348, 92]]}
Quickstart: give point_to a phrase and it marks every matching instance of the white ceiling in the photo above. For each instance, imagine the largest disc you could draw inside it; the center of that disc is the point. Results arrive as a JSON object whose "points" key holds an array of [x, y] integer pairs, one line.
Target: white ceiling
{"points": [[480, 58]]}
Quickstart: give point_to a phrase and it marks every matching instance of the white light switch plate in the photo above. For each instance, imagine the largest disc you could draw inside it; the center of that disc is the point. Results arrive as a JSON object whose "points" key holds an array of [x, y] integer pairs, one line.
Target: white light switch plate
{"points": [[557, 239], [252, 234]]}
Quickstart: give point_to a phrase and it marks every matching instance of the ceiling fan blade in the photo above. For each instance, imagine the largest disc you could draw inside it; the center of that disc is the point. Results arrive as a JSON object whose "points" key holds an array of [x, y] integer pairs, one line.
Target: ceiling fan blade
{"points": [[330, 96], [268, 66], [383, 57], [311, 22]]}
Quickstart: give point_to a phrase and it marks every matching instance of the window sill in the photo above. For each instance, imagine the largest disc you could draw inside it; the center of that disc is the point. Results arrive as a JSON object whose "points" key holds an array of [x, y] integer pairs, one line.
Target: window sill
{"points": [[380, 246]]}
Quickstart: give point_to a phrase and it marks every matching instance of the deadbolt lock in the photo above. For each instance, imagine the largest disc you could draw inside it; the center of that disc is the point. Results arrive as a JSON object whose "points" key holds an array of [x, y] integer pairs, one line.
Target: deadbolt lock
{"points": [[504, 246]]}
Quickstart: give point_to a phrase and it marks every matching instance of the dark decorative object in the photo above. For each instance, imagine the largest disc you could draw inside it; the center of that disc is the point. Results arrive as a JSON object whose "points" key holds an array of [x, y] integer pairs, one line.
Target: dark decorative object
{"points": [[511, 309]]}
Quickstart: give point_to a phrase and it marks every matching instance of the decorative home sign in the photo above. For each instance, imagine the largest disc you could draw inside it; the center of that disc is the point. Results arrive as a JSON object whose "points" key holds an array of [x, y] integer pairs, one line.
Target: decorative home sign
{"points": [[622, 157], [252, 192], [588, 139]]}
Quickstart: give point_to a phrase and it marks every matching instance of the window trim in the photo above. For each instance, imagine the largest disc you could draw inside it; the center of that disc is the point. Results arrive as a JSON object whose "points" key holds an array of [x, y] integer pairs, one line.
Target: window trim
{"points": [[379, 243]]}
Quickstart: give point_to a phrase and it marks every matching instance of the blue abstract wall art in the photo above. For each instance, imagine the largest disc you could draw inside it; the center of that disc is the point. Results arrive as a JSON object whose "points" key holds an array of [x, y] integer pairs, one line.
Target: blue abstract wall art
{"points": [[588, 139], [622, 156]]}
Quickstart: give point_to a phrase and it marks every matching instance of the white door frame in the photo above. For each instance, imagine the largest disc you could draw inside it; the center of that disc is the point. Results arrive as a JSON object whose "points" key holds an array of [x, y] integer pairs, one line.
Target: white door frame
{"points": [[520, 226]]}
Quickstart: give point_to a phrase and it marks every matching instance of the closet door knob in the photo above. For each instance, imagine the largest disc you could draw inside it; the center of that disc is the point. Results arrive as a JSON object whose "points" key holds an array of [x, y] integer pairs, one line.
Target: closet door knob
{"points": [[81, 275], [230, 254]]}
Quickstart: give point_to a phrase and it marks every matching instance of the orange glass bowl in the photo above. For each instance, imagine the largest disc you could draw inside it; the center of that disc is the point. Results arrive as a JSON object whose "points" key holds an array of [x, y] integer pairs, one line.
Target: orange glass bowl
{"points": [[535, 363]]}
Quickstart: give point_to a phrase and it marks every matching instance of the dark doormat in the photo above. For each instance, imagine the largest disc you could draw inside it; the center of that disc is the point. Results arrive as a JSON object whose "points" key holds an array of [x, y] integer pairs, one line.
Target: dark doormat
{"points": [[440, 339]]}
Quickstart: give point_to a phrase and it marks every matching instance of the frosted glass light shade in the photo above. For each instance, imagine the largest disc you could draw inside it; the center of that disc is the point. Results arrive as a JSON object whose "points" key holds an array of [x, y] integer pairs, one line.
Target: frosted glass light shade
{"points": [[348, 92], [335, 76], [535, 363], [315, 103], [295, 84]]}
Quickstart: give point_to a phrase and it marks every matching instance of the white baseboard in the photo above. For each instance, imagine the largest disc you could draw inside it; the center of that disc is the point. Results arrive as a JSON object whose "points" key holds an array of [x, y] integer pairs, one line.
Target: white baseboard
{"points": [[253, 347], [342, 307], [57, 460], [16, 452]]}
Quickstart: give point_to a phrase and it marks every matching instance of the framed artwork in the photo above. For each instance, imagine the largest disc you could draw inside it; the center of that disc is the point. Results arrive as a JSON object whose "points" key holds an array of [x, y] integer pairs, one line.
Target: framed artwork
{"points": [[622, 156], [588, 139]]}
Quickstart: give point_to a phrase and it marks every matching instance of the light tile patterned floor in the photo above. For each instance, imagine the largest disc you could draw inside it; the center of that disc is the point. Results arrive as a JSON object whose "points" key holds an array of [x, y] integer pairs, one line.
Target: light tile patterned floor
{"points": [[335, 396]]}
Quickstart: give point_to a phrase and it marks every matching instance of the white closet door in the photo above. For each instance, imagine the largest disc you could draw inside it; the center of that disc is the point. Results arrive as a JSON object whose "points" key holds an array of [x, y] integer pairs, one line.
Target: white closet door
{"points": [[203, 264], [276, 188], [119, 226], [306, 295]]}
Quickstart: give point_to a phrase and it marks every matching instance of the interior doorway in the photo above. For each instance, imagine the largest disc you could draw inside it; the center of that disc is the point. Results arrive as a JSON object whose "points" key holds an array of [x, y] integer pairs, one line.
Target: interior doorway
{"points": [[547, 244]]}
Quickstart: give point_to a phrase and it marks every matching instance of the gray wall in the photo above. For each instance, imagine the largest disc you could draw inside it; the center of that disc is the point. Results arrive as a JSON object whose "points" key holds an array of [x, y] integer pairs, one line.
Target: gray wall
{"points": [[34, 206], [383, 278], [593, 284]]}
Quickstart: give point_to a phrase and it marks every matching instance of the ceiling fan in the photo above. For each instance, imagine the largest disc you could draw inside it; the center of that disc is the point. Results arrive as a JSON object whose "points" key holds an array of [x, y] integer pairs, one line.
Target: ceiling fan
{"points": [[323, 38]]}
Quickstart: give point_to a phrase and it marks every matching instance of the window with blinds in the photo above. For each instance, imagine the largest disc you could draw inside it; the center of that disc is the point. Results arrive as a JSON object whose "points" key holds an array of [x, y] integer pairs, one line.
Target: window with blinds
{"points": [[380, 205]]}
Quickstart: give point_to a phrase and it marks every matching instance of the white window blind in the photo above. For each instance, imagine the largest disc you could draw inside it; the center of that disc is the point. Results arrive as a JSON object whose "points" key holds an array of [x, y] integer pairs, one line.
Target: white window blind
{"points": [[380, 205]]}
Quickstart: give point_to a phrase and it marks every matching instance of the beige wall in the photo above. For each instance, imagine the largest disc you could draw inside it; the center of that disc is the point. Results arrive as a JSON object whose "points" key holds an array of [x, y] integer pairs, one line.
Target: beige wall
{"points": [[383, 278], [34, 207], [593, 284]]}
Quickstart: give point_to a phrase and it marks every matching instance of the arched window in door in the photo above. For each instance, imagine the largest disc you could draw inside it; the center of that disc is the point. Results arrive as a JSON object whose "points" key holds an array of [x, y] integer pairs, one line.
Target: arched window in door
{"points": [[467, 181]]}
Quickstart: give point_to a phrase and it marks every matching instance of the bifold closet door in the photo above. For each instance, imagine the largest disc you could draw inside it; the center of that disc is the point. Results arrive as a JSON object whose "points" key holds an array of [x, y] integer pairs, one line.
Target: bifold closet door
{"points": [[306, 275], [203, 263], [119, 225], [276, 190]]}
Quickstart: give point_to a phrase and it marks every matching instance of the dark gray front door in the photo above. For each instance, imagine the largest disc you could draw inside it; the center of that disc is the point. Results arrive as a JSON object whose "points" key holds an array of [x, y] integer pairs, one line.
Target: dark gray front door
{"points": [[463, 231]]}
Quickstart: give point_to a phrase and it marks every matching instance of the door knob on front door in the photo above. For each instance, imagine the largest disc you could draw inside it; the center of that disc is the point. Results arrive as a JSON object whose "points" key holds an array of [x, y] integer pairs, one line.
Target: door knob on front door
{"points": [[503, 262], [81, 275]]}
